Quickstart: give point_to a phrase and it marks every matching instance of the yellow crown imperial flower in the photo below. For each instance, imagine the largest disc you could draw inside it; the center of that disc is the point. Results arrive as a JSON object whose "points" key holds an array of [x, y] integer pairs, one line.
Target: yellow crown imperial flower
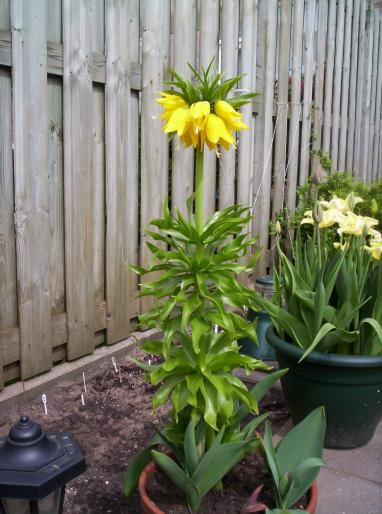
{"points": [[200, 111]]}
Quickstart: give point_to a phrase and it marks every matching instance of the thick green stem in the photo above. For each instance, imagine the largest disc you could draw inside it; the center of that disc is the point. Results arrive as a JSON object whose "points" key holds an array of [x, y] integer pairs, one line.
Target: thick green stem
{"points": [[199, 191]]}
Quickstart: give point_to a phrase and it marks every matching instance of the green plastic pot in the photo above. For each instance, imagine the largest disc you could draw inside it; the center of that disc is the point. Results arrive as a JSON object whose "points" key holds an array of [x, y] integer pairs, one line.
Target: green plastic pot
{"points": [[348, 386]]}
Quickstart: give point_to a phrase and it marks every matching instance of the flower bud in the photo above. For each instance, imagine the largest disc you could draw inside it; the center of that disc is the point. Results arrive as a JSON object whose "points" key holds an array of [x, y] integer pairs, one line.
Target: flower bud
{"points": [[351, 201], [318, 176], [373, 207], [365, 231], [318, 213], [277, 228]]}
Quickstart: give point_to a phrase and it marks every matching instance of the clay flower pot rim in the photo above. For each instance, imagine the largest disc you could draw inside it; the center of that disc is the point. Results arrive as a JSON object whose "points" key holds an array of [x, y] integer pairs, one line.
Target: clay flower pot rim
{"points": [[149, 507], [328, 359]]}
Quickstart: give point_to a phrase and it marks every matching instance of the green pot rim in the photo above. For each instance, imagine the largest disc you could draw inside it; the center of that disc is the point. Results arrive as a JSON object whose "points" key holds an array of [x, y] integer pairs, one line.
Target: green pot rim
{"points": [[326, 359]]}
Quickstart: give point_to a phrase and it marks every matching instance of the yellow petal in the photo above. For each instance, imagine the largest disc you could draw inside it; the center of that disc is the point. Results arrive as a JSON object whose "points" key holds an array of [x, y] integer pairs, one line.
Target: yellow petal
{"points": [[226, 111], [216, 130], [177, 121]]}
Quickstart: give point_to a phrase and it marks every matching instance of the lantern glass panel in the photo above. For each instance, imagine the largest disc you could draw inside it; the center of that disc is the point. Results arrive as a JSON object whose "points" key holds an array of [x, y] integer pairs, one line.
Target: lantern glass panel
{"points": [[51, 503], [15, 506]]}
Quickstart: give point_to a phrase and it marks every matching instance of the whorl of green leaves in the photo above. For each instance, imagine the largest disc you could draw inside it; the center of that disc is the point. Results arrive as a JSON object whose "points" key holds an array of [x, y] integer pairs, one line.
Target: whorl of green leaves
{"points": [[209, 86]]}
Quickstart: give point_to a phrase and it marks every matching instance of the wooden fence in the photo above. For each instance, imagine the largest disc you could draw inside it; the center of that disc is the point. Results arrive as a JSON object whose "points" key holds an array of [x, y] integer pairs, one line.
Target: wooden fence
{"points": [[83, 166]]}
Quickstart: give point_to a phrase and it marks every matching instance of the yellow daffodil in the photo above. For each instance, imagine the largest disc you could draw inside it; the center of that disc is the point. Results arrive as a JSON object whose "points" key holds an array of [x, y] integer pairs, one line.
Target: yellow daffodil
{"points": [[329, 218], [340, 204], [340, 246], [354, 225], [375, 249]]}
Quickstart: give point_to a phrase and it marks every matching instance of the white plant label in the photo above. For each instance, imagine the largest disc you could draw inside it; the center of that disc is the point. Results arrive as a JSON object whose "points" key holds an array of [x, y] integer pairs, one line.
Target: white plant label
{"points": [[82, 399], [83, 377], [114, 362], [45, 402]]}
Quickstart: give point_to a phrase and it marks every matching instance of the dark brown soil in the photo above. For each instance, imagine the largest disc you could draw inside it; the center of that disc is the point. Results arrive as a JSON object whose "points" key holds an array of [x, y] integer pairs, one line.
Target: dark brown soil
{"points": [[112, 426]]}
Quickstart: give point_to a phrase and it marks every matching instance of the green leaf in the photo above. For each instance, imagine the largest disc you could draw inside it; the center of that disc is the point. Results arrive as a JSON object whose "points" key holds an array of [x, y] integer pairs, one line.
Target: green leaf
{"points": [[304, 441], [137, 465], [376, 327], [177, 475], [324, 330], [190, 450]]}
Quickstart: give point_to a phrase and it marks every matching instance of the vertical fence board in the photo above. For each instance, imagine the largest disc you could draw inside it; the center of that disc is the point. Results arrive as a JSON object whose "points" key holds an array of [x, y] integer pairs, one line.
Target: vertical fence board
{"points": [[353, 87], [78, 176], [98, 18], [330, 52], [208, 43], [99, 191], [5, 21], [245, 148], [294, 124], [154, 147], [365, 114], [262, 206], [184, 52], [377, 153], [360, 91], [8, 293], [229, 63], [119, 231], [345, 87], [319, 77], [308, 85], [337, 82], [282, 101], [29, 36], [54, 21], [56, 195], [373, 99], [133, 152]]}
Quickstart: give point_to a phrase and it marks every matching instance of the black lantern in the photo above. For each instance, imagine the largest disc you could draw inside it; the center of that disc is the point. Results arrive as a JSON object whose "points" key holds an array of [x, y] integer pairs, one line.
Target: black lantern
{"points": [[34, 468]]}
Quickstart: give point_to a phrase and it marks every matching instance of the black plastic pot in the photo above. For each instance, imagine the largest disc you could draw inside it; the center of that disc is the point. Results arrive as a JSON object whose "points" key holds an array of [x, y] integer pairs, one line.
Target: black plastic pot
{"points": [[348, 386]]}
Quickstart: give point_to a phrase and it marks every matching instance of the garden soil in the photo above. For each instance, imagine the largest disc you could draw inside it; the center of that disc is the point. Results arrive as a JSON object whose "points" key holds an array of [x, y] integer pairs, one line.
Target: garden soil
{"points": [[113, 425]]}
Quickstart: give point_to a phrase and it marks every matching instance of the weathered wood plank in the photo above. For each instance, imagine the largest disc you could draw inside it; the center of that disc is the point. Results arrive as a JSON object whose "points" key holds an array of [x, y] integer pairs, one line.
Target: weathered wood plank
{"points": [[373, 99], [97, 8], [330, 54], [10, 338], [229, 63], [208, 49], [360, 91], [337, 82], [78, 177], [55, 61], [353, 87], [263, 195], [119, 230], [282, 100], [56, 194], [155, 18], [184, 52], [377, 153], [365, 116], [99, 190], [5, 20], [345, 87], [245, 147], [8, 291], [29, 22], [133, 152], [294, 124], [54, 32], [319, 78]]}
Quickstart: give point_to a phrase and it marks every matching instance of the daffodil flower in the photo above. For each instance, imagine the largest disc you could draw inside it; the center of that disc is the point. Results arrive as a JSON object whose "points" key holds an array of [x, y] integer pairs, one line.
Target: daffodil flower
{"points": [[329, 218], [340, 204], [354, 225], [375, 249]]}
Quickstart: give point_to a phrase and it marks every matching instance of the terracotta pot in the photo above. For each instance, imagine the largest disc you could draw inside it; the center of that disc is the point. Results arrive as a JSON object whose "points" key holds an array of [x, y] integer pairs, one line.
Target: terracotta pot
{"points": [[149, 507]]}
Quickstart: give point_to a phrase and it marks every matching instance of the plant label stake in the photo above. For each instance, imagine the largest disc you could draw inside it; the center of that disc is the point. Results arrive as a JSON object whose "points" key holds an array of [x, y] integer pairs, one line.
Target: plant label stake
{"points": [[216, 328], [45, 401], [117, 370], [83, 377], [82, 399]]}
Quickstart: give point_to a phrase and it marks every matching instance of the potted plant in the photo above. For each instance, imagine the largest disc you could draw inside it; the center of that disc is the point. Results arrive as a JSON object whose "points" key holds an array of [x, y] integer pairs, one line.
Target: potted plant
{"points": [[197, 297], [329, 331]]}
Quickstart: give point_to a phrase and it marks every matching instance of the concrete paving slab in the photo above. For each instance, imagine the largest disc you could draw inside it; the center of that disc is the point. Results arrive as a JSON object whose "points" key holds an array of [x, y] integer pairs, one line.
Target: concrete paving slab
{"points": [[365, 462], [340, 493]]}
